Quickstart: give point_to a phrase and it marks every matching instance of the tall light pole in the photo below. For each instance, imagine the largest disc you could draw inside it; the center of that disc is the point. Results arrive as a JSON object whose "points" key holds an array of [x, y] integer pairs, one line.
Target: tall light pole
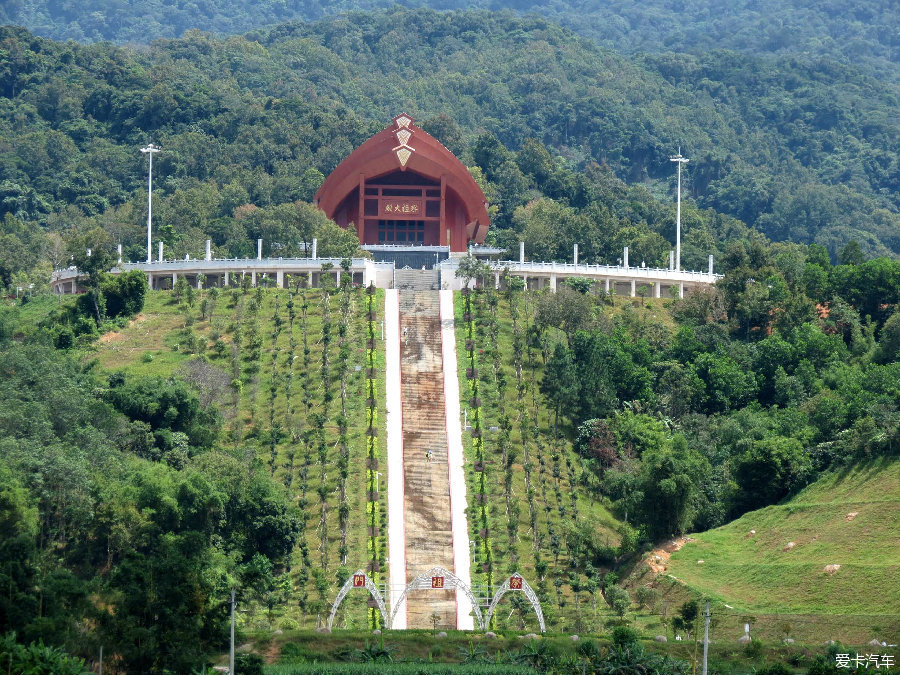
{"points": [[679, 160], [149, 150], [231, 644]]}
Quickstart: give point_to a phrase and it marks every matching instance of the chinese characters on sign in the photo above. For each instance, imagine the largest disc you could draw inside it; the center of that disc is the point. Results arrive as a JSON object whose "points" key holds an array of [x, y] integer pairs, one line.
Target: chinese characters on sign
{"points": [[877, 661], [515, 583], [405, 207], [437, 582], [359, 580]]}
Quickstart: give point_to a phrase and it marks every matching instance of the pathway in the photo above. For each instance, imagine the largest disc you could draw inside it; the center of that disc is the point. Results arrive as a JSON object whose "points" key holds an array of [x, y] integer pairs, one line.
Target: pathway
{"points": [[426, 493]]}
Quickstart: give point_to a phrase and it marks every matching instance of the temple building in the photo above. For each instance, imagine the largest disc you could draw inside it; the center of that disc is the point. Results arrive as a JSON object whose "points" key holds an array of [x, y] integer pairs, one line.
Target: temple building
{"points": [[403, 188], [413, 205]]}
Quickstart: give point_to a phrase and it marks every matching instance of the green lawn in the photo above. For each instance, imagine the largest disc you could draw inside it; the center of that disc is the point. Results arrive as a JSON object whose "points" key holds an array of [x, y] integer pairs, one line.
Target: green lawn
{"points": [[750, 565]]}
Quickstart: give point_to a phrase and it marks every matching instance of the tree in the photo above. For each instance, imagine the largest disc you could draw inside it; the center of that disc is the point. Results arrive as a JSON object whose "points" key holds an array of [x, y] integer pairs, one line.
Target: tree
{"points": [[445, 129], [770, 470], [92, 255], [471, 268], [310, 181], [646, 597], [489, 153], [686, 617], [851, 254], [618, 599], [579, 284], [595, 440], [335, 241], [18, 554], [889, 339], [727, 386], [560, 383], [167, 406], [124, 293], [669, 480], [568, 310]]}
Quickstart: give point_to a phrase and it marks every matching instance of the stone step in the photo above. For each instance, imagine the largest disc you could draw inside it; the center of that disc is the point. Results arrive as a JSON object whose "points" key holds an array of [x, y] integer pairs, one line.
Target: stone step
{"points": [[429, 539]]}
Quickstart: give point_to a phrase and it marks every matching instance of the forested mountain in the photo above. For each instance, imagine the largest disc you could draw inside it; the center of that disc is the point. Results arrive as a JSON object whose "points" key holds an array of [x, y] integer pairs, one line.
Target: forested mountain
{"points": [[857, 31], [112, 483], [803, 150]]}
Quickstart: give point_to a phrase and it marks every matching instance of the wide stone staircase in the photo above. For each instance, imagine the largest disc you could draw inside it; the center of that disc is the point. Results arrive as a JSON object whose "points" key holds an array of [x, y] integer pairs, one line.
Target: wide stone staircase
{"points": [[417, 280], [429, 539]]}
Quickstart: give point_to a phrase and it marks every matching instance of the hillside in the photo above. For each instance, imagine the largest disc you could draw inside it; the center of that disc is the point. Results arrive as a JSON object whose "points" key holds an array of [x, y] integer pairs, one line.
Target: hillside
{"points": [[773, 563], [570, 528], [801, 149], [285, 367], [854, 33], [607, 424], [538, 515]]}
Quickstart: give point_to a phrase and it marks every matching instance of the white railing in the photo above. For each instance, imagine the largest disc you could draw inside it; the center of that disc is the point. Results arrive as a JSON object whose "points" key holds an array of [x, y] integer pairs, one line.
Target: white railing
{"points": [[236, 265], [546, 268], [369, 267]]}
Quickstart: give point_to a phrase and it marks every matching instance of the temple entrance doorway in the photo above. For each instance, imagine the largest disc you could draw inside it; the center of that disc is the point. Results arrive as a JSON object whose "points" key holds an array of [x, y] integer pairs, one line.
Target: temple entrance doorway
{"points": [[402, 232]]}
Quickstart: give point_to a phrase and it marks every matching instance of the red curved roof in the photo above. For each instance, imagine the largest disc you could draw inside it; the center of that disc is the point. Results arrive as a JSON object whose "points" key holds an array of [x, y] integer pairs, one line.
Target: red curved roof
{"points": [[405, 146]]}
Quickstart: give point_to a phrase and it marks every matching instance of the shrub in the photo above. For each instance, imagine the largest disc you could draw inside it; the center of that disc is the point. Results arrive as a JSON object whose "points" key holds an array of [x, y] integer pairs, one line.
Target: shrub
{"points": [[646, 597], [64, 338], [248, 664], [37, 658], [618, 598], [124, 294], [623, 635], [291, 652]]}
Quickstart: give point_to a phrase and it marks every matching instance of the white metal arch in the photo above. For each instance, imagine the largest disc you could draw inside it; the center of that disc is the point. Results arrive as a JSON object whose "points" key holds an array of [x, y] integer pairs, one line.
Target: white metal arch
{"points": [[423, 582], [526, 589], [373, 590]]}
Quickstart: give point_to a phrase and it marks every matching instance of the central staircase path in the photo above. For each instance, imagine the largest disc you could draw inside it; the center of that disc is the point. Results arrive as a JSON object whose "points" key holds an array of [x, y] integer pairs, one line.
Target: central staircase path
{"points": [[427, 522]]}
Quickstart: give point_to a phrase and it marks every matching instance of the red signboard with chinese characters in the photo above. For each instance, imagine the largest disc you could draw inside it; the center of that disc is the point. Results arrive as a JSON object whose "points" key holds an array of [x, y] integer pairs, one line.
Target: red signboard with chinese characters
{"points": [[515, 583], [402, 207], [359, 580], [437, 582]]}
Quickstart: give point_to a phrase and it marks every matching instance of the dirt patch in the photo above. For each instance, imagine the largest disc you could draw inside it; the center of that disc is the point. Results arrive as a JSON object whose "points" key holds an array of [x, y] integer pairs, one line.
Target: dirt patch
{"points": [[114, 335], [272, 652], [659, 558]]}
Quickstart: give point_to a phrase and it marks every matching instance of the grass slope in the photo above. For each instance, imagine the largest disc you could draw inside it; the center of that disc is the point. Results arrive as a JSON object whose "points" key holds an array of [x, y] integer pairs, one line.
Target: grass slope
{"points": [[271, 403], [761, 575]]}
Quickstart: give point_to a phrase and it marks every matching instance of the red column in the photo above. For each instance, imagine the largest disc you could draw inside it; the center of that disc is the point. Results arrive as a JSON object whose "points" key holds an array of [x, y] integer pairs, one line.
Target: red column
{"points": [[361, 218], [442, 238]]}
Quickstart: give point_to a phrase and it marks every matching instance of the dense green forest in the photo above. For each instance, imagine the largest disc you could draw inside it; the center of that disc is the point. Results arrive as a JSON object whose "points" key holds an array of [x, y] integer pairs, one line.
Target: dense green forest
{"points": [[804, 150], [124, 521], [130, 505], [858, 32]]}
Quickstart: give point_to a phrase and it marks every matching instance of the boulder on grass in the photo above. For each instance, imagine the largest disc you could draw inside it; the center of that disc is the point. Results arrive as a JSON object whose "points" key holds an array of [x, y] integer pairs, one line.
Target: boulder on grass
{"points": [[660, 638]]}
